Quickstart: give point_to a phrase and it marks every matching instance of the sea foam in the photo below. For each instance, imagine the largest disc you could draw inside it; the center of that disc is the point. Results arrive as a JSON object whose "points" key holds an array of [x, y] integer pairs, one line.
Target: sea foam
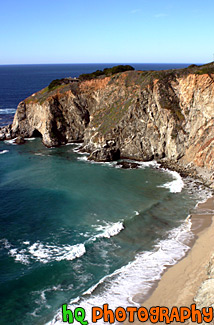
{"points": [[4, 151], [7, 111], [176, 185], [108, 230], [130, 285], [45, 253], [12, 141]]}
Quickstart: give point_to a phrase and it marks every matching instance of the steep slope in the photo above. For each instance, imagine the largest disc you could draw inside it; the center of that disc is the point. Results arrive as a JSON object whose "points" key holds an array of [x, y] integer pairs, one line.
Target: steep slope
{"points": [[135, 114]]}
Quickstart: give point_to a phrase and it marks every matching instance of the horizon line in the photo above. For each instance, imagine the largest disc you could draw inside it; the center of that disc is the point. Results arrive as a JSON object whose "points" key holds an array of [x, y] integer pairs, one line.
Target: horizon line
{"points": [[4, 64]]}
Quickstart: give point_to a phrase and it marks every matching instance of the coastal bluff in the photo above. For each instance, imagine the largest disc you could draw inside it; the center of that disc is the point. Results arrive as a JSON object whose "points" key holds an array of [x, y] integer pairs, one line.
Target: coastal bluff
{"points": [[142, 115]]}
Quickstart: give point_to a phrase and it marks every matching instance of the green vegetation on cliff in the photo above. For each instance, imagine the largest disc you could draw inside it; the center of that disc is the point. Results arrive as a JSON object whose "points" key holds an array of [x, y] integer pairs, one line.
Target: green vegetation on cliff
{"points": [[107, 118], [55, 83], [131, 78], [206, 69], [105, 72], [201, 69]]}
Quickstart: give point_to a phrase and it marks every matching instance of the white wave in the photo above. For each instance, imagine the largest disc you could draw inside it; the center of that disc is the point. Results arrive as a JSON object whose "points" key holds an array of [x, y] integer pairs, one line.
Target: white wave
{"points": [[7, 110], [102, 163], [130, 285], [141, 164], [83, 158], [4, 151], [108, 230], [76, 149], [197, 191], [12, 141], [19, 255], [74, 144], [176, 185], [81, 153], [205, 195], [4, 243], [151, 163], [46, 253]]}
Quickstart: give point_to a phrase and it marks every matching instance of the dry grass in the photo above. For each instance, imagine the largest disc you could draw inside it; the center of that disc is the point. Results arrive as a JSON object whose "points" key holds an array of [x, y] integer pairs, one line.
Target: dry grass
{"points": [[94, 84]]}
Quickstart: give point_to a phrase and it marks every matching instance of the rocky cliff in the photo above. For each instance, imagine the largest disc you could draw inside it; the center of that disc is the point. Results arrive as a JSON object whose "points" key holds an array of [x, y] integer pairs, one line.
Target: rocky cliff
{"points": [[163, 115]]}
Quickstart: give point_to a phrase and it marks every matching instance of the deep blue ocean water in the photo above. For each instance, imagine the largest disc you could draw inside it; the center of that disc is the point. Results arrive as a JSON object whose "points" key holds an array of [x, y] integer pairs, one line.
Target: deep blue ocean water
{"points": [[77, 232]]}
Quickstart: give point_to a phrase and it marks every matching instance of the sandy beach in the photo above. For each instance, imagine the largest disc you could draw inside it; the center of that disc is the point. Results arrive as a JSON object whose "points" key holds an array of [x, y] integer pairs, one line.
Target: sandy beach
{"points": [[190, 280]]}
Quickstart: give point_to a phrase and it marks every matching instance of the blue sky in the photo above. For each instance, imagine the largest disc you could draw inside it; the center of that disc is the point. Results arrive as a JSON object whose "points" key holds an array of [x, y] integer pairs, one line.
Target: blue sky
{"points": [[88, 31]]}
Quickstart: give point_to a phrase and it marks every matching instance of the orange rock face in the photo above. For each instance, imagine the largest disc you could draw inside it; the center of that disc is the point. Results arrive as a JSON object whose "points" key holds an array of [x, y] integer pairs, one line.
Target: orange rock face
{"points": [[135, 114]]}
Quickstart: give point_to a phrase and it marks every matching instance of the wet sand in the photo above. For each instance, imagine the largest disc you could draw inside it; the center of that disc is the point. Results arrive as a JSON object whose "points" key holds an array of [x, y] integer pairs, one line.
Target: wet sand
{"points": [[180, 283]]}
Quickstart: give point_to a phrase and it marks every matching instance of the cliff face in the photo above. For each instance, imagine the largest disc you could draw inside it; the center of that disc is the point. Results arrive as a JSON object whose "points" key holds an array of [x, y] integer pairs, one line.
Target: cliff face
{"points": [[135, 114], [172, 118], [58, 117]]}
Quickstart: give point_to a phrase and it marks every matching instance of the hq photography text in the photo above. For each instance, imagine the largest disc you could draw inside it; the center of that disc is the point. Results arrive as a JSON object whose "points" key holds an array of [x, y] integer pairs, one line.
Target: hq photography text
{"points": [[142, 314]]}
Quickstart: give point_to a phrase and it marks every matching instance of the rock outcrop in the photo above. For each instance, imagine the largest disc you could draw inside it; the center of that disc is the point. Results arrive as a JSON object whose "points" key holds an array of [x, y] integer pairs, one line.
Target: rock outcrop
{"points": [[59, 118], [135, 114]]}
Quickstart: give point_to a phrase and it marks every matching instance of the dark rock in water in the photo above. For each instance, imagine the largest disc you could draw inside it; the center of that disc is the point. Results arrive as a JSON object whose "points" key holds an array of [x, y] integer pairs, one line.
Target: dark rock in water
{"points": [[105, 154], [108, 152], [6, 132], [128, 165], [20, 140], [184, 171]]}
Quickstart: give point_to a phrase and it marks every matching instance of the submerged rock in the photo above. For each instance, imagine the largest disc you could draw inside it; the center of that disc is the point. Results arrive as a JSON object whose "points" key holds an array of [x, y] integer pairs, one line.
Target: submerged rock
{"points": [[128, 165]]}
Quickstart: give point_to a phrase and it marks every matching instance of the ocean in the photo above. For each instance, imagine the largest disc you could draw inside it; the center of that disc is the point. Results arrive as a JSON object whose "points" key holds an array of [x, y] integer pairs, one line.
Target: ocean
{"points": [[79, 232]]}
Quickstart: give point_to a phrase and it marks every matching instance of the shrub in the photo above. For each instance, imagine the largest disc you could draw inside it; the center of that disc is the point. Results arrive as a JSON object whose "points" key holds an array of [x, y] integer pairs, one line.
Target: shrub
{"points": [[55, 83], [105, 72], [206, 70]]}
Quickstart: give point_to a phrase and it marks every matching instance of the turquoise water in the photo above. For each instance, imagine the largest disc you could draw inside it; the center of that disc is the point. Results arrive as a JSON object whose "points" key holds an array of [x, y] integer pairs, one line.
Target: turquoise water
{"points": [[67, 224], [76, 232]]}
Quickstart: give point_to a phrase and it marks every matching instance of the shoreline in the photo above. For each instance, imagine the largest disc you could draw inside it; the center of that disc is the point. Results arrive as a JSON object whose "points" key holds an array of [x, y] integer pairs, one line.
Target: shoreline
{"points": [[181, 283]]}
